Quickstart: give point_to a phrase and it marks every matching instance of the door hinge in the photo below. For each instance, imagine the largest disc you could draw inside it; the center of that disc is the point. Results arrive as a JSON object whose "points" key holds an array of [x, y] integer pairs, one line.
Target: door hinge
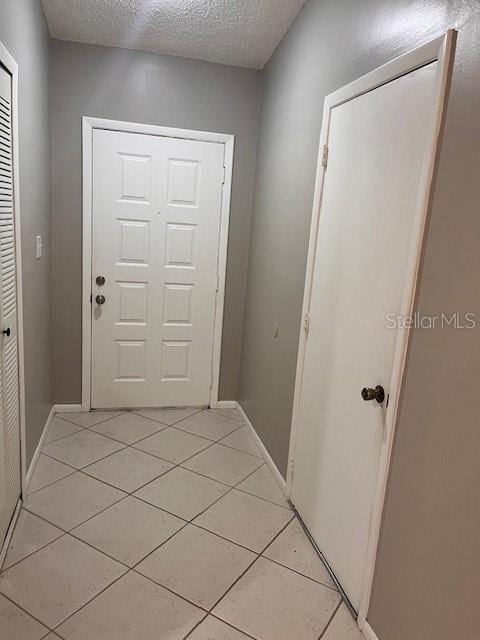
{"points": [[218, 283], [325, 156], [224, 175], [91, 298], [306, 323]]}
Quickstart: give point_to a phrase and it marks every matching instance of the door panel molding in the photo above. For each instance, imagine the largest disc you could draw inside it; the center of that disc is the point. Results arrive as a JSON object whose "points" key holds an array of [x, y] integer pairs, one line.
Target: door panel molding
{"points": [[89, 124], [439, 50]]}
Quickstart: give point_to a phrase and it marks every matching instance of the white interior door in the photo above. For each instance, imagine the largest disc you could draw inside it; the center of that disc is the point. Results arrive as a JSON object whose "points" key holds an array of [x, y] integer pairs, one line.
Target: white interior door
{"points": [[377, 144], [10, 466], [156, 223]]}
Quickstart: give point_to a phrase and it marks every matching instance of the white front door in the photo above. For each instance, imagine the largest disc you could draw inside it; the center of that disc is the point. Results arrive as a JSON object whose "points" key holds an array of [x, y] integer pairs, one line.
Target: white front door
{"points": [[156, 222], [377, 144], [10, 467]]}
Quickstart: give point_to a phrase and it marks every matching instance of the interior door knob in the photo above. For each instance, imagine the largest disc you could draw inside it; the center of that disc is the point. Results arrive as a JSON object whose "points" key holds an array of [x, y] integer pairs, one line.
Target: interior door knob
{"points": [[377, 394], [6, 332], [100, 299]]}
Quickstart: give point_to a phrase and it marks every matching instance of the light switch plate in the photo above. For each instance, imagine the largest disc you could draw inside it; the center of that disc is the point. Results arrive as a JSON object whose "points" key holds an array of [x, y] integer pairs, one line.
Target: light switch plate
{"points": [[38, 247]]}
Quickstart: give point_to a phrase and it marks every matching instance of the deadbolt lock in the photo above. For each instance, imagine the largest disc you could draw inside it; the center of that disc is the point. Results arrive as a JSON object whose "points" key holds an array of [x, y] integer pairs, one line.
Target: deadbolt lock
{"points": [[100, 299], [377, 394], [100, 280]]}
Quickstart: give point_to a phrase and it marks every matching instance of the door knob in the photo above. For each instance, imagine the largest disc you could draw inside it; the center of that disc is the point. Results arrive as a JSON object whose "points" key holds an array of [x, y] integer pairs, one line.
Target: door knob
{"points": [[100, 280], [100, 299], [6, 332], [377, 394]]}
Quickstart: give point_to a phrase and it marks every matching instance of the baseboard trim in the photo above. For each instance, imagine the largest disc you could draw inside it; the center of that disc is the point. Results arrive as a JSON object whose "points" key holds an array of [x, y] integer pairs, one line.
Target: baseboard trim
{"points": [[263, 450], [8, 537], [224, 404], [67, 408], [36, 455], [368, 632]]}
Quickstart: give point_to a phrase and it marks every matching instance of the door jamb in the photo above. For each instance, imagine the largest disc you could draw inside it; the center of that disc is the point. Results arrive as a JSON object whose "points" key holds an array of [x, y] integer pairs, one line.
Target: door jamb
{"points": [[8, 61], [228, 140], [439, 50]]}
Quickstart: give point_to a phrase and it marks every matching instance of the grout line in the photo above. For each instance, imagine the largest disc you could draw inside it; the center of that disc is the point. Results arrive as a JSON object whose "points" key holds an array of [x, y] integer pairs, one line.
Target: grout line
{"points": [[259, 555], [228, 624], [330, 619], [168, 425], [62, 533], [216, 440], [86, 603], [49, 455], [30, 615], [322, 584], [31, 493], [129, 444], [59, 415]]}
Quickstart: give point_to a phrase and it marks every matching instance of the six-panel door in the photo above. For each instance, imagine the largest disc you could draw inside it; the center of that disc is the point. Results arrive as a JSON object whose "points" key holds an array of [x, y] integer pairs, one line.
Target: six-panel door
{"points": [[156, 223]]}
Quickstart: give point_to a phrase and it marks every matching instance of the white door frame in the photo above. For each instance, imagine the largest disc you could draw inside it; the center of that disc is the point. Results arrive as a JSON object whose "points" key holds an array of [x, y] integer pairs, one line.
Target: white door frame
{"points": [[8, 61], [88, 126], [441, 51]]}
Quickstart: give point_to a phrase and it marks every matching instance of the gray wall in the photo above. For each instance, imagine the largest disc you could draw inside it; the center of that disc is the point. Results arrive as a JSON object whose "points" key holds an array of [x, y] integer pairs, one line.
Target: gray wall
{"points": [[428, 571], [24, 32], [163, 90]]}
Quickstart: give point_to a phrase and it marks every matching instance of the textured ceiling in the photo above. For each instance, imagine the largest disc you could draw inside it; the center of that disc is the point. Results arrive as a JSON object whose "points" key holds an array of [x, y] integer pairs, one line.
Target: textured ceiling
{"points": [[236, 32]]}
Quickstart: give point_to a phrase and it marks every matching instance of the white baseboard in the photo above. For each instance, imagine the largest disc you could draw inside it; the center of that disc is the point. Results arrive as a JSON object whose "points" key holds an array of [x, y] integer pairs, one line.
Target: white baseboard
{"points": [[8, 537], [224, 404], [368, 632], [36, 455], [67, 408], [273, 467]]}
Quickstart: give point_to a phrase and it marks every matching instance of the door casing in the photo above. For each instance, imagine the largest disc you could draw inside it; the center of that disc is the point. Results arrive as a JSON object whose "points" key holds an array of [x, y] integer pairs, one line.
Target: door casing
{"points": [[439, 50], [88, 125], [8, 61]]}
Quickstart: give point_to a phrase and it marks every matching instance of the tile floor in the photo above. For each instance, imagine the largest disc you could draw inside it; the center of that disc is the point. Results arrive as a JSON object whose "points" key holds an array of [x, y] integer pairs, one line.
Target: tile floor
{"points": [[162, 525]]}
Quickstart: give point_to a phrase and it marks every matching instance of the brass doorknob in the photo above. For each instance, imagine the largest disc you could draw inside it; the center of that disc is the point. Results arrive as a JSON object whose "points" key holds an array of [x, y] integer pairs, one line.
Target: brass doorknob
{"points": [[100, 299], [377, 394]]}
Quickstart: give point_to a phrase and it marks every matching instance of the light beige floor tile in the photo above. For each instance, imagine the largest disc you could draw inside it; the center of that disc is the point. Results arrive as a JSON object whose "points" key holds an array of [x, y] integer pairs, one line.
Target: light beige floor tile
{"points": [[48, 470], [233, 414], [128, 428], [223, 464], [57, 580], [263, 484], [243, 441], [167, 416], [343, 627], [59, 429], [293, 549], [70, 501], [173, 445], [89, 418], [15, 624], [273, 603], [128, 469], [213, 629], [182, 492], [208, 425], [31, 533], [133, 608], [245, 519], [129, 530], [52, 636], [82, 448], [197, 565]]}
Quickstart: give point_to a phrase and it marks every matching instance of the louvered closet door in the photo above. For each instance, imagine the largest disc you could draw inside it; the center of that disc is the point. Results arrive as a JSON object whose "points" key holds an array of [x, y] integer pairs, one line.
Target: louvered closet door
{"points": [[10, 476]]}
